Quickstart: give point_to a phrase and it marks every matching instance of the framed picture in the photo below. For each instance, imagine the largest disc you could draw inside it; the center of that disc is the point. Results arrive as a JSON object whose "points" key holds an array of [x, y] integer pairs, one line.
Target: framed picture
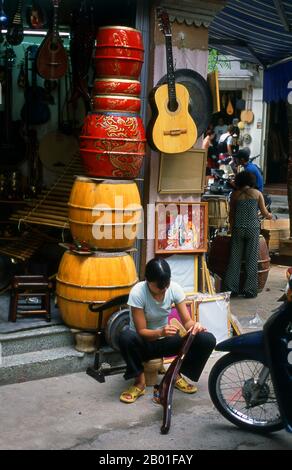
{"points": [[181, 227], [213, 312], [182, 173]]}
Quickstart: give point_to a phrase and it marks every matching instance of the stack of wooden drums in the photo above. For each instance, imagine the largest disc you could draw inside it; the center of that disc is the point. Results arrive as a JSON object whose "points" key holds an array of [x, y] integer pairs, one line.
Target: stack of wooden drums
{"points": [[105, 209]]}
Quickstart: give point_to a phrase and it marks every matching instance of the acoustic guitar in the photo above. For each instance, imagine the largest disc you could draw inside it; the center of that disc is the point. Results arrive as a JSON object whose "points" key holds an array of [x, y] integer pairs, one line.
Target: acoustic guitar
{"points": [[15, 34], [52, 59], [171, 129]]}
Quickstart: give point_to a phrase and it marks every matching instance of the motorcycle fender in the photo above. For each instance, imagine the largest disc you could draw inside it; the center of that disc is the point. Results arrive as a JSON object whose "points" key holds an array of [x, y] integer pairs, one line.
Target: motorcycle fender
{"points": [[250, 344]]}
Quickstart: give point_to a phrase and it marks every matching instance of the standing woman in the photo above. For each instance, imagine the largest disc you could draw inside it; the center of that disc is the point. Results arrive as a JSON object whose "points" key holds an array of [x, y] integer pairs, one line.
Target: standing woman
{"points": [[245, 230], [208, 144]]}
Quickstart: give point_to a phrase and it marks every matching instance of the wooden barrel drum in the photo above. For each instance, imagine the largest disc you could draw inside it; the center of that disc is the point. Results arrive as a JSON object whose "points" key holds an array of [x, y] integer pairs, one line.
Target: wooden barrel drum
{"points": [[105, 214], [218, 259], [217, 212], [83, 279]]}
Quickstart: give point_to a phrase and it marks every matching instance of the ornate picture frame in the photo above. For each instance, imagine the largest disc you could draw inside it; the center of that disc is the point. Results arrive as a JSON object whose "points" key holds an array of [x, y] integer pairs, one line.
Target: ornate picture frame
{"points": [[181, 227]]}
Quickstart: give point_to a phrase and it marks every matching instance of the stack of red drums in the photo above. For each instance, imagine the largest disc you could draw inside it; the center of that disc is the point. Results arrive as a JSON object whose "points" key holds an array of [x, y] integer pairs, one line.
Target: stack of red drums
{"points": [[113, 142], [105, 211]]}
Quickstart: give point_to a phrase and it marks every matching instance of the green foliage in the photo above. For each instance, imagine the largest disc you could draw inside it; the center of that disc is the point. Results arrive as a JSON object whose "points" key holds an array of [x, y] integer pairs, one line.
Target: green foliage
{"points": [[215, 59]]}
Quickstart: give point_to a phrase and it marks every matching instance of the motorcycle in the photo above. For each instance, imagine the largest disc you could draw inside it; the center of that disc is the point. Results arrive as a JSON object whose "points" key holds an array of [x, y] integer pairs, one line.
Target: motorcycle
{"points": [[251, 386]]}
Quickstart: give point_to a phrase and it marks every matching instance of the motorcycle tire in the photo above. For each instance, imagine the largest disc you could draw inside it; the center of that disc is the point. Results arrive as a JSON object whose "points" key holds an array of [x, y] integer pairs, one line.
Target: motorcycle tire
{"points": [[237, 413]]}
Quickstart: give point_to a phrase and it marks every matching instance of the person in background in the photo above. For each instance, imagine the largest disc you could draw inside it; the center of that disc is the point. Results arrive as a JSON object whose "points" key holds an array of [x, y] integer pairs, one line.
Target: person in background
{"points": [[150, 336], [220, 128], [211, 153], [242, 157], [245, 202], [224, 147]]}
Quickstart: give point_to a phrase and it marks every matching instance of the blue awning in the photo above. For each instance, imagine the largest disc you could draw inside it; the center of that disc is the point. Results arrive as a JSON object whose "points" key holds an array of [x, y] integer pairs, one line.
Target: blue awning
{"points": [[276, 81], [258, 31]]}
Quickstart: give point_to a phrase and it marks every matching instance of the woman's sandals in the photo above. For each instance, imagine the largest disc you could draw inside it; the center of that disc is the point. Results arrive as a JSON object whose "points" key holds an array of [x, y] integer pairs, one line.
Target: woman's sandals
{"points": [[181, 384], [133, 392]]}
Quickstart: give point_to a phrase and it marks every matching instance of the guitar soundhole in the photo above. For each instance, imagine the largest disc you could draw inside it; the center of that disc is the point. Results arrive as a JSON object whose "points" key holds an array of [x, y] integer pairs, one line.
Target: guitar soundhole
{"points": [[172, 106]]}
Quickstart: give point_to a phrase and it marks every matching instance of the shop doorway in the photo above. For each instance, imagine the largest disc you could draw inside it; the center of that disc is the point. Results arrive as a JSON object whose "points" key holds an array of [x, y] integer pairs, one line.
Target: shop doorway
{"points": [[277, 144]]}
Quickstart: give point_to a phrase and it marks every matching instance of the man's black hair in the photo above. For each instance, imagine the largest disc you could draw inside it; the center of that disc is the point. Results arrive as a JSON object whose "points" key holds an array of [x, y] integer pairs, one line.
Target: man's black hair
{"points": [[157, 270], [243, 154], [245, 178]]}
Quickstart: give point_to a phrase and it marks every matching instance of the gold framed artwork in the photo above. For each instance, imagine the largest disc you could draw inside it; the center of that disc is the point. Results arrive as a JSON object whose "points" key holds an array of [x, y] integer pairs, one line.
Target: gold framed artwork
{"points": [[181, 227], [182, 173]]}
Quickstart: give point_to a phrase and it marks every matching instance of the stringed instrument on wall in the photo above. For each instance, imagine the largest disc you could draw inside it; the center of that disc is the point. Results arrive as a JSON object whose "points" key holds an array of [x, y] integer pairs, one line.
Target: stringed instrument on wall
{"points": [[229, 108], [172, 128], [14, 35], [52, 59], [247, 114]]}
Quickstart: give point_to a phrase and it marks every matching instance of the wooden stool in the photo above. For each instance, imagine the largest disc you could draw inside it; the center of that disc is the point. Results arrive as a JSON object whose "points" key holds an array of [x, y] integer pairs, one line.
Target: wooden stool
{"points": [[151, 369], [25, 287]]}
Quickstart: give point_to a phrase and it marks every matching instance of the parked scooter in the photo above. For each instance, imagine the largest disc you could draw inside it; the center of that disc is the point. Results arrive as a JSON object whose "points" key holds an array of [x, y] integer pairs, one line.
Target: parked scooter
{"points": [[251, 386]]}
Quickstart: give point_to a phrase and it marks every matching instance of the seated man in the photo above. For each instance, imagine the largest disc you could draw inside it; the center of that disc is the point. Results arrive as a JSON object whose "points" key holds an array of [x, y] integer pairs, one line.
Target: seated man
{"points": [[150, 336]]}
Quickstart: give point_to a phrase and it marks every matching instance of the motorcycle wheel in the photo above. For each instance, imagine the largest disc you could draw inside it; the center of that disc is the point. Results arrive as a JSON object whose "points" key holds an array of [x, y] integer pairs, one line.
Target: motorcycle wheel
{"points": [[231, 382]]}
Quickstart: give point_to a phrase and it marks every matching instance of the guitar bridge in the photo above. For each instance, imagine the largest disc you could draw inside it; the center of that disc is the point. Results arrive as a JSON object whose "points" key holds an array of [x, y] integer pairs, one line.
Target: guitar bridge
{"points": [[175, 132]]}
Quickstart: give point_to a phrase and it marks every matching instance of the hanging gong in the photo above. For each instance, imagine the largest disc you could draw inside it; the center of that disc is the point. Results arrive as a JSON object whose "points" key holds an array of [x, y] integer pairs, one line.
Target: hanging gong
{"points": [[117, 322], [201, 104]]}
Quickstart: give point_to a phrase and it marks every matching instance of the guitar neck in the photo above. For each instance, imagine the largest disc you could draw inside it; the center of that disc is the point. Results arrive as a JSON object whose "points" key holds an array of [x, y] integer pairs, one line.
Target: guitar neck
{"points": [[17, 19], [170, 74], [55, 22]]}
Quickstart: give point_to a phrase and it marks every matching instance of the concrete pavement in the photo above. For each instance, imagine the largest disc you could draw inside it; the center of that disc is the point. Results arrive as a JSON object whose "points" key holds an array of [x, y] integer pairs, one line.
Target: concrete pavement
{"points": [[76, 412]]}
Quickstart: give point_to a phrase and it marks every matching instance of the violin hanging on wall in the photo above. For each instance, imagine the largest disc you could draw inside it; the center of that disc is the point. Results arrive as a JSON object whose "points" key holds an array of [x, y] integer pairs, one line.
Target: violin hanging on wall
{"points": [[52, 58]]}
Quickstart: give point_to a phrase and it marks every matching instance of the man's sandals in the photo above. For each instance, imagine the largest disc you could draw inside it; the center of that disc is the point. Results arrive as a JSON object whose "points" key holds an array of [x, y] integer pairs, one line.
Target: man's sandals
{"points": [[131, 394]]}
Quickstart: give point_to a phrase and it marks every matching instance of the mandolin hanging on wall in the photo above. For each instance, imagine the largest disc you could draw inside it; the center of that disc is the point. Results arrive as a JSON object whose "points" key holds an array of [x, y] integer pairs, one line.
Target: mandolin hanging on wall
{"points": [[52, 59]]}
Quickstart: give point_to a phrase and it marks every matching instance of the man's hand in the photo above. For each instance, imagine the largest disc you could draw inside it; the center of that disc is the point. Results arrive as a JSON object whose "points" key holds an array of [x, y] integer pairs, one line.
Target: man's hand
{"points": [[169, 330], [197, 328]]}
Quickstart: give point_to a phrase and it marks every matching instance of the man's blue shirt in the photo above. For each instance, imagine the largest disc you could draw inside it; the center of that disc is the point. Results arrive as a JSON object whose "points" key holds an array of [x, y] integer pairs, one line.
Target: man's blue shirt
{"points": [[259, 179]]}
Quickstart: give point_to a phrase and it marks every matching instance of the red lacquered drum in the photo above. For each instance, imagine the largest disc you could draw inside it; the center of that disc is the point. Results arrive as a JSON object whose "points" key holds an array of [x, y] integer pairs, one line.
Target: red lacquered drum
{"points": [[116, 86], [218, 259], [113, 145], [119, 52], [129, 104], [111, 164]]}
